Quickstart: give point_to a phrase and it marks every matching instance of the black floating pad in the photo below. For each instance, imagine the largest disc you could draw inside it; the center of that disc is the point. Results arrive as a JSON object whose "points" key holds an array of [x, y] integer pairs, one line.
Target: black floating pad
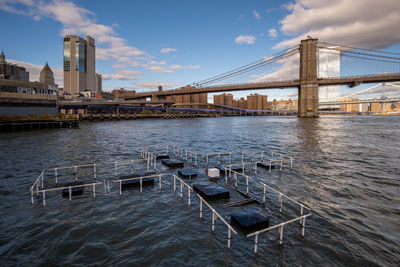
{"points": [[75, 191], [233, 168], [136, 182], [187, 173], [172, 163], [162, 156], [237, 168], [249, 221], [211, 191], [266, 165]]}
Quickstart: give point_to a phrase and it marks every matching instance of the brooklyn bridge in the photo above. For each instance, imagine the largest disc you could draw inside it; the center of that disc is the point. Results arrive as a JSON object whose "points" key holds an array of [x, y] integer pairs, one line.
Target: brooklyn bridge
{"points": [[309, 66]]}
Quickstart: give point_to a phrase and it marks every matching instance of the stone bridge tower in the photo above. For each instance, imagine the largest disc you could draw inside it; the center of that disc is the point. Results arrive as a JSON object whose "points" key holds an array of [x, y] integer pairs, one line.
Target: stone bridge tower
{"points": [[308, 90]]}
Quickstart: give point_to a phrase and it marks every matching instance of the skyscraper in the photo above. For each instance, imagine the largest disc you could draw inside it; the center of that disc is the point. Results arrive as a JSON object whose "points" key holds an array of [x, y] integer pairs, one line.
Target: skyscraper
{"points": [[79, 64]]}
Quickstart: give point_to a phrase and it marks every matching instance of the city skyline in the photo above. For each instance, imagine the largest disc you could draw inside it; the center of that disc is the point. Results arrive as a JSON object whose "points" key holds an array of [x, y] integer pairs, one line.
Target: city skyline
{"points": [[178, 46]]}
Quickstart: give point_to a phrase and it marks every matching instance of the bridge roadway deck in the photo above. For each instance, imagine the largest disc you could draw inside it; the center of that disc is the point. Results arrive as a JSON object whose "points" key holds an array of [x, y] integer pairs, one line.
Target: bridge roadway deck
{"points": [[387, 100], [350, 81], [112, 103]]}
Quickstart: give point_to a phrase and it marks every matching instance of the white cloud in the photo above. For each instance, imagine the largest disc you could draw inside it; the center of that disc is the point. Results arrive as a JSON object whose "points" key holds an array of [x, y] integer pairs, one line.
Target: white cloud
{"points": [[368, 23], [155, 84], [193, 67], [157, 63], [256, 15], [245, 39], [77, 20], [157, 68], [272, 33], [180, 67], [34, 71], [176, 67], [124, 75], [168, 50]]}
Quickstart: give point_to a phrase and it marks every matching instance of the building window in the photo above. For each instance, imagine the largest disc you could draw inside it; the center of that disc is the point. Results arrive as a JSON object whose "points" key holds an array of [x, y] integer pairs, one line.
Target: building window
{"points": [[80, 56], [67, 56]]}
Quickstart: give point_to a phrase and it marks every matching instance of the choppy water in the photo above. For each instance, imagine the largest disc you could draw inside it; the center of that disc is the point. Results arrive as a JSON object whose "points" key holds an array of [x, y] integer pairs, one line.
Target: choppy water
{"points": [[346, 169]]}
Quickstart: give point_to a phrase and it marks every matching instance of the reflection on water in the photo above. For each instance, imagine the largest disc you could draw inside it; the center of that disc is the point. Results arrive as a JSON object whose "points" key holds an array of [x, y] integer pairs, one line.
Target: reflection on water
{"points": [[346, 169]]}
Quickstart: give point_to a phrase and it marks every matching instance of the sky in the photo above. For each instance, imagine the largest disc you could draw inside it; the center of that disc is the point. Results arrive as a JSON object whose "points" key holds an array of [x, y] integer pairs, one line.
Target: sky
{"points": [[143, 44]]}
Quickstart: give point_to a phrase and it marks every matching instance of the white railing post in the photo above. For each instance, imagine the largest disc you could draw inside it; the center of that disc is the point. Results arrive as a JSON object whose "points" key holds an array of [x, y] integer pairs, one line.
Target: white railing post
{"points": [[159, 181], [229, 237], [201, 208], [280, 202], [141, 185], [131, 166], [70, 193], [94, 171], [291, 163], [94, 190], [55, 173], [301, 212], [303, 226], [188, 196], [255, 242], [281, 234], [213, 221], [32, 195], [235, 177], [270, 165], [120, 188], [242, 156], [181, 189], [174, 182], [44, 198], [281, 162], [265, 190], [247, 185], [255, 168]]}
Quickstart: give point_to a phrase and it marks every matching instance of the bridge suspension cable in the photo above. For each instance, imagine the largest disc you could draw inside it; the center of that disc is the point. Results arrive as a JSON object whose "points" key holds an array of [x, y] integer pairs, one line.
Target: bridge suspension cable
{"points": [[250, 67], [358, 48]]}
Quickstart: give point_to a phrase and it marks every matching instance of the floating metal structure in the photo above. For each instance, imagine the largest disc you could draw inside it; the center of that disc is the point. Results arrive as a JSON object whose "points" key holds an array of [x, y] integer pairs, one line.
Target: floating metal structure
{"points": [[240, 169]]}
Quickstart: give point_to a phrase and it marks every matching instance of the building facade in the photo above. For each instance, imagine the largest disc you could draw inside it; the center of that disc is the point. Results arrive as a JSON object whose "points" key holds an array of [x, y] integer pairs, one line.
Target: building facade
{"points": [[12, 72], [99, 83], [257, 102], [79, 64]]}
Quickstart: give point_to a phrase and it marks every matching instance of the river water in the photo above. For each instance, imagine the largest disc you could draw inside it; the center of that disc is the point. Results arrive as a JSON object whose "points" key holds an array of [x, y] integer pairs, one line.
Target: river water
{"points": [[346, 169]]}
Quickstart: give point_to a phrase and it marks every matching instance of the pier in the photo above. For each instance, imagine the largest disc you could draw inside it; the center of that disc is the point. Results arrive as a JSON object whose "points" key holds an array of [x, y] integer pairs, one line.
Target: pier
{"points": [[24, 125]]}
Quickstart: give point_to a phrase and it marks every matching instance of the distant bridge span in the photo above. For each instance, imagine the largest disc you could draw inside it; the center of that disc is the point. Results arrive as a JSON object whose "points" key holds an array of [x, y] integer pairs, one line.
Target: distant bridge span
{"points": [[350, 81]]}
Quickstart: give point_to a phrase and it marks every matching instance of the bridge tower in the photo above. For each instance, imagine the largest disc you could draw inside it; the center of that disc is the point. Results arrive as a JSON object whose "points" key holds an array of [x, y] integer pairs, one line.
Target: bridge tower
{"points": [[308, 89]]}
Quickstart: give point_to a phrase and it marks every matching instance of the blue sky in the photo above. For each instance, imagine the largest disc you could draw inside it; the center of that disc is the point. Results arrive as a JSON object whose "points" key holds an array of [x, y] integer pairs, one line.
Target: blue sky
{"points": [[140, 44]]}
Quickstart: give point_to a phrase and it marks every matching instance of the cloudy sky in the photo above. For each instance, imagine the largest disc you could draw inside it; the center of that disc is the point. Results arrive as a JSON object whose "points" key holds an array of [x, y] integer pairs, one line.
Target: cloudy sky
{"points": [[141, 44]]}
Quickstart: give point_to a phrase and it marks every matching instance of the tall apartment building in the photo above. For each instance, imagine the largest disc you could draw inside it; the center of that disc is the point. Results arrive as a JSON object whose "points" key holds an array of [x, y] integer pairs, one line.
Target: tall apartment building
{"points": [[257, 102], [79, 64], [99, 83], [224, 100]]}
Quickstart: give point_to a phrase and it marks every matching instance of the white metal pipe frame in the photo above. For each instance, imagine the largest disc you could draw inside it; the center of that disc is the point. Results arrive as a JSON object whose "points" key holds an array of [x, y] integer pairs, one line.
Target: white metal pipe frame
{"points": [[49, 180]]}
